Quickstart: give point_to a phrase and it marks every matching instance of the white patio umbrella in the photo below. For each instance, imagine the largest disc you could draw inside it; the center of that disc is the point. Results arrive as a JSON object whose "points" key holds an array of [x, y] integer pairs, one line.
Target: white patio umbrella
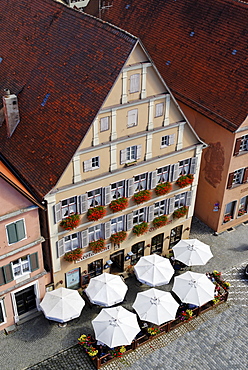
{"points": [[193, 288], [106, 290], [192, 252], [115, 326], [62, 305], [154, 270], [155, 306]]}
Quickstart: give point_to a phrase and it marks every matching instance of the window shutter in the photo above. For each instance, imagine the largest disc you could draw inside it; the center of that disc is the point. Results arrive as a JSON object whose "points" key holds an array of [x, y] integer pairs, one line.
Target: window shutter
{"points": [[130, 187], [107, 230], [12, 235], [60, 248], [129, 221], [34, 261], [84, 203], [87, 165], [20, 230], [230, 180], [132, 117], [171, 139], [245, 177], [174, 172], [151, 213], [8, 273], [123, 156], [107, 195], [153, 179], [2, 282], [171, 205], [85, 238], [237, 146], [189, 199], [57, 213], [138, 153], [134, 83], [193, 164]]}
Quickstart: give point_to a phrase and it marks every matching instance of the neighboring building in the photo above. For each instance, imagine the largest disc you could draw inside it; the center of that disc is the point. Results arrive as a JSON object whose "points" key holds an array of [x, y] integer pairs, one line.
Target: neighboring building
{"points": [[200, 49], [22, 274], [97, 123]]}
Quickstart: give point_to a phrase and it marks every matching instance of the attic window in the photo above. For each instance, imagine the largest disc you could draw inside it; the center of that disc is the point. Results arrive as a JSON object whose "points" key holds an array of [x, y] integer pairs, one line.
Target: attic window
{"points": [[168, 62], [127, 6], [1, 59], [192, 33], [234, 52], [45, 100]]}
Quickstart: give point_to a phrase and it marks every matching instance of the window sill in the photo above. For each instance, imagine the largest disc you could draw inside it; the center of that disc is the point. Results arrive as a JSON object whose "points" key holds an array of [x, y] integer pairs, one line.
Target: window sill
{"points": [[130, 164]]}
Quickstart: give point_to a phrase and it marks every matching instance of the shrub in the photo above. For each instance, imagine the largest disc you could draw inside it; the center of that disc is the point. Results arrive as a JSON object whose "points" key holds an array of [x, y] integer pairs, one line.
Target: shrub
{"points": [[160, 221], [163, 188], [142, 196], [97, 245], [70, 222], [96, 213], [180, 212], [140, 229], [118, 237], [74, 255], [185, 180], [118, 205]]}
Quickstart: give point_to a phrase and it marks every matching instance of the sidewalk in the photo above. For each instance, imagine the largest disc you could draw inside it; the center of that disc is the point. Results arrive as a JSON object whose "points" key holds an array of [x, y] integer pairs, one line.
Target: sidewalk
{"points": [[37, 340]]}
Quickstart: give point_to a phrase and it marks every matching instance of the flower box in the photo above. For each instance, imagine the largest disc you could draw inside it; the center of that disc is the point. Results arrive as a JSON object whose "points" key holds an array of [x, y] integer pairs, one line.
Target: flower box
{"points": [[140, 229], [142, 196], [163, 188], [160, 221], [185, 180], [180, 212], [74, 255], [70, 222], [97, 245], [227, 218], [118, 237], [241, 212], [186, 315], [118, 205], [96, 213], [153, 331]]}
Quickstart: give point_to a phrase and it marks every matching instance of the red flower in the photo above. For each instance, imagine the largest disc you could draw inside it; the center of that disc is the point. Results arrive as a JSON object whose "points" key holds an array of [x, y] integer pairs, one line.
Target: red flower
{"points": [[180, 212], [74, 255], [96, 213], [160, 221], [140, 229], [185, 180], [163, 188], [118, 205], [70, 222], [142, 196], [118, 237], [97, 245]]}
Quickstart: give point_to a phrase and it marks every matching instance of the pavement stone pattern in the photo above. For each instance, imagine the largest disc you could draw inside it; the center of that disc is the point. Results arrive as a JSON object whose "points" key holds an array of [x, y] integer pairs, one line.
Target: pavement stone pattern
{"points": [[215, 340]]}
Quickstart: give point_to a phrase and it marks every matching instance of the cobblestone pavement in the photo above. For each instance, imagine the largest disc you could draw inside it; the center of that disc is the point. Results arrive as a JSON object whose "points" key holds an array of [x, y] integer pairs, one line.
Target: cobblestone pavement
{"points": [[215, 340]]}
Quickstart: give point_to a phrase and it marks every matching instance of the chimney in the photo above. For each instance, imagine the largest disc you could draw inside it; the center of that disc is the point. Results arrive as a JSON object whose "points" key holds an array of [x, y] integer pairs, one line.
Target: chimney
{"points": [[11, 111]]}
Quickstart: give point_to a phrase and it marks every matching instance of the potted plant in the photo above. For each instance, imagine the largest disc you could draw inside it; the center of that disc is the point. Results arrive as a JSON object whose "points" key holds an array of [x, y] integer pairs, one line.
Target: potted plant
{"points": [[142, 196], [180, 212], [153, 331], [119, 204], [96, 213], [140, 229], [118, 351], [70, 222], [74, 255], [160, 221], [97, 245], [163, 188], [241, 212], [227, 218], [186, 315], [185, 180], [118, 237]]}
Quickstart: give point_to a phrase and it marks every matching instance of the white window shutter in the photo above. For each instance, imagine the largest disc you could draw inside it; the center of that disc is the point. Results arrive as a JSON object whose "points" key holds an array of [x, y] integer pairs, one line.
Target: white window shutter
{"points": [[171, 139], [60, 248], [193, 165], [107, 230], [189, 198], [138, 153], [87, 165], [175, 173], [151, 213], [85, 238], [83, 203], [130, 187], [153, 179], [132, 117], [134, 83], [171, 205], [107, 195], [57, 213], [123, 156], [129, 221]]}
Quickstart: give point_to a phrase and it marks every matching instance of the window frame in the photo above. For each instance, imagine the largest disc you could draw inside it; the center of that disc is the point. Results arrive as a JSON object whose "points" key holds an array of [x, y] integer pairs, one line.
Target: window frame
{"points": [[132, 115], [68, 205], [159, 112], [14, 223], [116, 190], [244, 142], [97, 232], [71, 242], [93, 197], [165, 172], [238, 176], [2, 309], [145, 174], [104, 121], [161, 208], [185, 163], [21, 264], [134, 83], [119, 222], [180, 200], [141, 212]]}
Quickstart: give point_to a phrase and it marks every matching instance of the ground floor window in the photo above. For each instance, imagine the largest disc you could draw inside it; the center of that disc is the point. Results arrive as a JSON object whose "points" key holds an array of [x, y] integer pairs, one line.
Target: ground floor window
{"points": [[243, 205], [157, 244], [95, 268], [175, 235], [138, 251], [2, 312], [229, 211]]}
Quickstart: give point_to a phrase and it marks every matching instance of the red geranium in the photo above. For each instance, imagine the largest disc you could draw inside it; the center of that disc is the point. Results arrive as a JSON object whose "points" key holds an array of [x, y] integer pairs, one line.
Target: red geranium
{"points": [[185, 180], [118, 205], [142, 196], [96, 213], [163, 188]]}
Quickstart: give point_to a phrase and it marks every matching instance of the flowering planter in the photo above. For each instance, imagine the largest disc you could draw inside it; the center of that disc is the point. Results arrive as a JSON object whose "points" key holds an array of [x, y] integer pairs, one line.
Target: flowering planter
{"points": [[160, 221], [96, 213], [118, 237], [74, 255], [185, 180], [241, 212], [70, 222], [142, 196], [97, 246], [163, 188], [180, 212], [118, 204], [227, 219], [140, 229]]}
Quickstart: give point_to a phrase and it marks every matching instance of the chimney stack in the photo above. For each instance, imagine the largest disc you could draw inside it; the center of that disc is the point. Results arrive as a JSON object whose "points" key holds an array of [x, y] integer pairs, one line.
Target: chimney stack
{"points": [[11, 111]]}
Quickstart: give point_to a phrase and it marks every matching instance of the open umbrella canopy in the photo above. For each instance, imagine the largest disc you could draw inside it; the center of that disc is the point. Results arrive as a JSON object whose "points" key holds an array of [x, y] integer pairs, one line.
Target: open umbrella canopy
{"points": [[62, 305], [155, 306], [115, 326], [193, 288], [106, 290], [192, 252], [154, 270]]}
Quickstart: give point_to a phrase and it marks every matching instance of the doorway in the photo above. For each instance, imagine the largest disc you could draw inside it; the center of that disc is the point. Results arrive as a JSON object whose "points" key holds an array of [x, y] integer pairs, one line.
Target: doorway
{"points": [[175, 236], [25, 300], [157, 244], [118, 262], [138, 251]]}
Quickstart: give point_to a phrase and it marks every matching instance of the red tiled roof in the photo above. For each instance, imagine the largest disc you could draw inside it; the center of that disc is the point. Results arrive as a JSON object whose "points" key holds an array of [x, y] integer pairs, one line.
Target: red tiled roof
{"points": [[48, 48], [199, 47]]}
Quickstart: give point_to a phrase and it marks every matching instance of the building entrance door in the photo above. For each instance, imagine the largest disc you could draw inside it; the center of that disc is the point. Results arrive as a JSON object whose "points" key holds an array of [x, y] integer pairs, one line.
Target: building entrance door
{"points": [[118, 262], [25, 300], [175, 236]]}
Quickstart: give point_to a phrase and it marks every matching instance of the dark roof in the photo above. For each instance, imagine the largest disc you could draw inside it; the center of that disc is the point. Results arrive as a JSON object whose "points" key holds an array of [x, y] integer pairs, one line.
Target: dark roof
{"points": [[62, 64], [199, 47]]}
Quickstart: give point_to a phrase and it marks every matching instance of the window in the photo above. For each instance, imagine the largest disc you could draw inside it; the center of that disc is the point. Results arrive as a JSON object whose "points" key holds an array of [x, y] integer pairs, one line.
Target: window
{"points": [[94, 198], [68, 206], [104, 124], [139, 216], [117, 190], [95, 268], [71, 242], [21, 266], [157, 244], [163, 174], [184, 167], [135, 83], [238, 176], [160, 208], [117, 224], [140, 182], [138, 251], [16, 231], [2, 312], [130, 154], [132, 118], [241, 145], [94, 233], [229, 211], [243, 206], [159, 109], [180, 200], [91, 164], [167, 140]]}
